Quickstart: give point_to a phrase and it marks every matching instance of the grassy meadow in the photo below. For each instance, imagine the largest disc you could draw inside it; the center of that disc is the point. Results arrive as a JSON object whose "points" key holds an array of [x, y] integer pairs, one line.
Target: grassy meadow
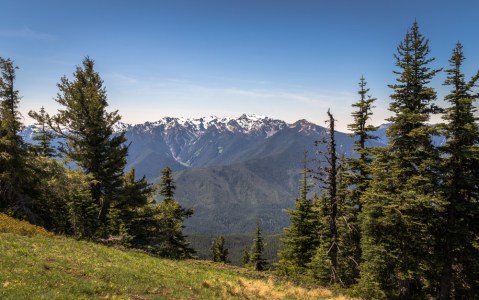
{"points": [[35, 264]]}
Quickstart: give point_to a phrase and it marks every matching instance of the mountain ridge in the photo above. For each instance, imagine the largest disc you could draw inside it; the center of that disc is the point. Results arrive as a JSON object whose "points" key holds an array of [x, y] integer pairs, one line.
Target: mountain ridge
{"points": [[233, 172]]}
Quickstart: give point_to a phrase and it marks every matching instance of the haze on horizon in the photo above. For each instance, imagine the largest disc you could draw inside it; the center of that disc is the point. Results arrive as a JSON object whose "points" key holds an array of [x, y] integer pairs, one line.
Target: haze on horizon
{"points": [[287, 60]]}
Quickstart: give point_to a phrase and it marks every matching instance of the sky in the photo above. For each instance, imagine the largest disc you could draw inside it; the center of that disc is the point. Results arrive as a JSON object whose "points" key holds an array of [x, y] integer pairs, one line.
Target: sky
{"points": [[288, 60]]}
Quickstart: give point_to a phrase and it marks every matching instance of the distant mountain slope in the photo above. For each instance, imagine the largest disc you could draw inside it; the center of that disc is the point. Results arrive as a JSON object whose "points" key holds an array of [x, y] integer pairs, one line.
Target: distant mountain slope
{"points": [[232, 171], [381, 134]]}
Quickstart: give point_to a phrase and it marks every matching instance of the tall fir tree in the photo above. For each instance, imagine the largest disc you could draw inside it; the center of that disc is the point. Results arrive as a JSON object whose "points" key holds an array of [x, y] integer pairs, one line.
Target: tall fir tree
{"points": [[357, 178], [361, 131], [300, 238], [459, 273], [171, 216], [256, 257], [17, 180], [89, 133], [401, 206]]}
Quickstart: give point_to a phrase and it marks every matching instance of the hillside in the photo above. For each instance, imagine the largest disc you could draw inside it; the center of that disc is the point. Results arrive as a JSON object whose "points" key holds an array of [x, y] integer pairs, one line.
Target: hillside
{"points": [[36, 264]]}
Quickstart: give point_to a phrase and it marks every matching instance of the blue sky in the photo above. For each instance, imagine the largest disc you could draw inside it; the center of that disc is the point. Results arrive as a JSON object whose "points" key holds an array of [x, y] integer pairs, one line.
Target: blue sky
{"points": [[284, 59]]}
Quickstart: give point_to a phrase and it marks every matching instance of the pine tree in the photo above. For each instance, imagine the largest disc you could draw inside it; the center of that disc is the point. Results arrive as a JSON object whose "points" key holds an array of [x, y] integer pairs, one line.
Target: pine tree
{"points": [[324, 264], [300, 238], [127, 215], [17, 180], [361, 131], [218, 250], [355, 182], [167, 184], [43, 136], [256, 256], [400, 208], [82, 210], [349, 251], [171, 216], [90, 138], [459, 272]]}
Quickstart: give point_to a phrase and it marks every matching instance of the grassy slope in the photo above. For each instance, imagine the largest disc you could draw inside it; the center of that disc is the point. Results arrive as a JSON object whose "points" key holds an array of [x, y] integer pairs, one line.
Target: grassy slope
{"points": [[34, 264]]}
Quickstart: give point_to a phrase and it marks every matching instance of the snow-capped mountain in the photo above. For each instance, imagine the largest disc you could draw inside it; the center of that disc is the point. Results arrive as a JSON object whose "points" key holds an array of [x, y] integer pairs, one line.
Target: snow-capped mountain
{"points": [[231, 171], [192, 143], [195, 128]]}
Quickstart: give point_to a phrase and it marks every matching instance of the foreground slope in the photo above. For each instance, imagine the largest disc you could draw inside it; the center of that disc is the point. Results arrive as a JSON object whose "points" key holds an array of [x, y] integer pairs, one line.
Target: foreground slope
{"points": [[36, 264]]}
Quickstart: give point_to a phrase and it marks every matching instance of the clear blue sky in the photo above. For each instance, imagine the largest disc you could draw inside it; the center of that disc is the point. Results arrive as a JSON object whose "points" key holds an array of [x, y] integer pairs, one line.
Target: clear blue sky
{"points": [[285, 59]]}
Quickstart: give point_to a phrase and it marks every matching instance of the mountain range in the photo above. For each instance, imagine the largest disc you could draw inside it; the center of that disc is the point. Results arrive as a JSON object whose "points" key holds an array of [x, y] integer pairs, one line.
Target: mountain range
{"points": [[234, 172]]}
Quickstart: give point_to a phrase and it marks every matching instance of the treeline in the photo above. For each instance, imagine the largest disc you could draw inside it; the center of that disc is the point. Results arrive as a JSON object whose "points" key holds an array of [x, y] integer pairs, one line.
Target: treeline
{"points": [[236, 245], [80, 187], [400, 221]]}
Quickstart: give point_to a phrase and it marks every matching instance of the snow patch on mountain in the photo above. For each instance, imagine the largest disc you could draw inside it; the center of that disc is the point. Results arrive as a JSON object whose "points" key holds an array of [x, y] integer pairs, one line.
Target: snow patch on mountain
{"points": [[246, 124]]}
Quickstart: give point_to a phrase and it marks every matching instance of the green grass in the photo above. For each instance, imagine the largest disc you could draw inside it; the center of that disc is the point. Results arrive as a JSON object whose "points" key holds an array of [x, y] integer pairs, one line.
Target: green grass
{"points": [[35, 264]]}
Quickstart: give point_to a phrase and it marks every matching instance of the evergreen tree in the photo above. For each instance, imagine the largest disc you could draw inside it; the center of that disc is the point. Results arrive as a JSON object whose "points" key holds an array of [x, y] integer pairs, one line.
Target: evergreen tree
{"points": [[82, 210], [300, 238], [361, 131], [219, 251], [127, 215], [400, 208], [89, 132], [245, 258], [17, 181], [349, 251], [52, 198], [459, 272], [167, 185], [356, 181], [43, 136], [324, 264], [256, 256], [170, 216]]}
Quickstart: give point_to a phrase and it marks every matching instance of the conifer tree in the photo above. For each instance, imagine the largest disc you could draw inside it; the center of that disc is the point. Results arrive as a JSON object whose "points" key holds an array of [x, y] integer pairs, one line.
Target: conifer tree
{"points": [[89, 132], [17, 181], [245, 258], [459, 272], [300, 238], [82, 210], [361, 131], [218, 250], [400, 208], [167, 184], [171, 216], [256, 256], [324, 264], [357, 180], [348, 231], [42, 135], [128, 218]]}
